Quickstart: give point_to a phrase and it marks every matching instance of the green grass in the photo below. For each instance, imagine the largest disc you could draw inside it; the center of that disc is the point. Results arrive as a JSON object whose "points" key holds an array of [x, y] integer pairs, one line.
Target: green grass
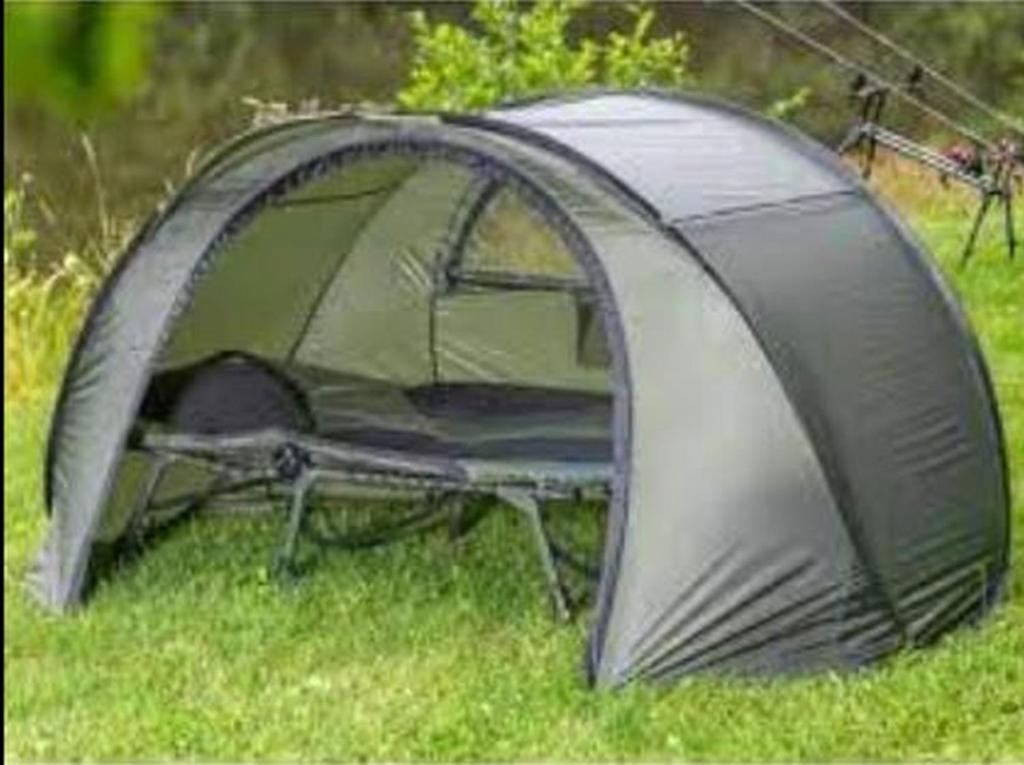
{"points": [[420, 651]]}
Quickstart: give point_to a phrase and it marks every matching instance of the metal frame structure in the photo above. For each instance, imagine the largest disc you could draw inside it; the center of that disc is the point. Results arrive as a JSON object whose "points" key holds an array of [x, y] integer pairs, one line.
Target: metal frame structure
{"points": [[994, 183], [296, 465]]}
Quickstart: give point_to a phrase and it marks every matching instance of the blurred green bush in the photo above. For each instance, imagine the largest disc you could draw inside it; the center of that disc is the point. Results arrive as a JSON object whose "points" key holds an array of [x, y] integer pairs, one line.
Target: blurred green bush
{"points": [[77, 58], [520, 50]]}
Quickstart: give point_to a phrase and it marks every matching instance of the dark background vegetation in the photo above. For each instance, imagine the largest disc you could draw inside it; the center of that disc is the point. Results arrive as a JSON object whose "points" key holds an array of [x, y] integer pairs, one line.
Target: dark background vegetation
{"points": [[206, 58]]}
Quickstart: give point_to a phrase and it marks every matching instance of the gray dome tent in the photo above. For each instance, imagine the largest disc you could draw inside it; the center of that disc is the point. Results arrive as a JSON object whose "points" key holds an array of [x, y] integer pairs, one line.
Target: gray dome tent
{"points": [[667, 301]]}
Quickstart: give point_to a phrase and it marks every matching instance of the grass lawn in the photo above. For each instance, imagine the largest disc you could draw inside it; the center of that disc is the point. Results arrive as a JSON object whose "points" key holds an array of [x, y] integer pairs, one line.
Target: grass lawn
{"points": [[420, 652]]}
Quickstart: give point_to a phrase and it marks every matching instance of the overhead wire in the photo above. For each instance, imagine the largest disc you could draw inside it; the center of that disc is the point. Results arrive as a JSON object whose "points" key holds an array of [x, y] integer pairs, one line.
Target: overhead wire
{"points": [[881, 86], [898, 90], [965, 95]]}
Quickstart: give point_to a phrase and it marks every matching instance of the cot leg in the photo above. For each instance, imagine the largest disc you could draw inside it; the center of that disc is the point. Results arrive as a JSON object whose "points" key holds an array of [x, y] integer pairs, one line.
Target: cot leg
{"points": [[528, 505], [133, 534], [463, 517], [283, 564], [456, 517]]}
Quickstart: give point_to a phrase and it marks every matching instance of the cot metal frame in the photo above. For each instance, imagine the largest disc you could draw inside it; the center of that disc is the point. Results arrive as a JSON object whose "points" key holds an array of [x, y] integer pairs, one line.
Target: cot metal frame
{"points": [[297, 465]]}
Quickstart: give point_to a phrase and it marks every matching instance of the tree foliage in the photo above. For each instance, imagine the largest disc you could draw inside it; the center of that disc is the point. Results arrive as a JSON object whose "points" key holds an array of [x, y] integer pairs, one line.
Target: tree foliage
{"points": [[76, 58], [518, 51]]}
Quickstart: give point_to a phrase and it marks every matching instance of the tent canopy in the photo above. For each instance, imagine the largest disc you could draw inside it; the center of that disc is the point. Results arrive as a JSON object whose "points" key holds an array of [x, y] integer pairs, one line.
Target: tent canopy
{"points": [[697, 305]]}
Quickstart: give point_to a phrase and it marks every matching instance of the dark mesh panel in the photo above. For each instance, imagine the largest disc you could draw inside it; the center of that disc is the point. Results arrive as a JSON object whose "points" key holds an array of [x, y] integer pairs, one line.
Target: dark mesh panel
{"points": [[878, 368], [475, 400]]}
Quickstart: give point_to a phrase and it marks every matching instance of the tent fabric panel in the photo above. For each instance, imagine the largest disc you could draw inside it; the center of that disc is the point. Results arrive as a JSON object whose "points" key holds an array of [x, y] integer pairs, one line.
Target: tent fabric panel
{"points": [[882, 374], [849, 626], [217, 192], [109, 370], [686, 158], [112, 359], [258, 294], [251, 144], [374, 317], [94, 417], [528, 337], [734, 555]]}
